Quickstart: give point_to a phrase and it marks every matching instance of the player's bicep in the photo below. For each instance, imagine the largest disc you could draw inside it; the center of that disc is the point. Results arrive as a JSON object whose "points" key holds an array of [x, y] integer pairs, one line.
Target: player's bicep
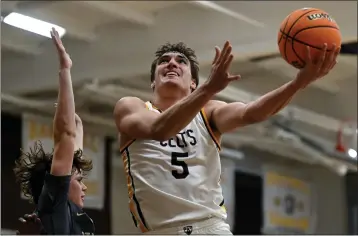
{"points": [[134, 119], [227, 117], [63, 155]]}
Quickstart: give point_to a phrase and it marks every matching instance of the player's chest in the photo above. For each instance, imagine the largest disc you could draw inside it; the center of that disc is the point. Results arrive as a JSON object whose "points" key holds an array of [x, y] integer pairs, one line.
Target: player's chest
{"points": [[188, 139], [185, 139]]}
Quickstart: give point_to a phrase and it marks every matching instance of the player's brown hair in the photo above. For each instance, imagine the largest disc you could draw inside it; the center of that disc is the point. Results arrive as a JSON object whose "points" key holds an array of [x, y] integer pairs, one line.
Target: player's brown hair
{"points": [[31, 167], [183, 49]]}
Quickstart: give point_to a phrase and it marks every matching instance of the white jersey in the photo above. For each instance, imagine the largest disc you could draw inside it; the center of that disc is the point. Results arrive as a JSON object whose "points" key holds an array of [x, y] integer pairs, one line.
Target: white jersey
{"points": [[177, 180]]}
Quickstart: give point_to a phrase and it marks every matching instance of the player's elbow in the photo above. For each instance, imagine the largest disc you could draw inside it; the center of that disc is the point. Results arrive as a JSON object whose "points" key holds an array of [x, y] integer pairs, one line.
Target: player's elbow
{"points": [[61, 130], [160, 131], [63, 125], [64, 130], [159, 134]]}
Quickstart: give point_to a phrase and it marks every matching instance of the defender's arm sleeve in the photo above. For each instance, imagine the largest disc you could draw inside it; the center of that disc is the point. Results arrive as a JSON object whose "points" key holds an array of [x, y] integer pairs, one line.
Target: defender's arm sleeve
{"points": [[53, 206]]}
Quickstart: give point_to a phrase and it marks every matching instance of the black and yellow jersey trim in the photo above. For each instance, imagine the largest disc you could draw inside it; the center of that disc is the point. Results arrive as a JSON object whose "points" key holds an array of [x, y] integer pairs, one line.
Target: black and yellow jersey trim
{"points": [[222, 205], [208, 127], [136, 212], [156, 108]]}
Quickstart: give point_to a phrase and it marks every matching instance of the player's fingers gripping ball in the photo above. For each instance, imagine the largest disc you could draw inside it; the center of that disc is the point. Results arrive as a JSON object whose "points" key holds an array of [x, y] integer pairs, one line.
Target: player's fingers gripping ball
{"points": [[307, 27]]}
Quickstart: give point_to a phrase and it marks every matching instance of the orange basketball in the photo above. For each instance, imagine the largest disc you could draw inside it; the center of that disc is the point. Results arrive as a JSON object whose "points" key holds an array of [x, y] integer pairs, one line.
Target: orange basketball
{"points": [[306, 27]]}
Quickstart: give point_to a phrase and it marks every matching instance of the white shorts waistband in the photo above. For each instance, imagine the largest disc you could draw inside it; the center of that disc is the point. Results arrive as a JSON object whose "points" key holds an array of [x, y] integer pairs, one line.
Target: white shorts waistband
{"points": [[194, 225]]}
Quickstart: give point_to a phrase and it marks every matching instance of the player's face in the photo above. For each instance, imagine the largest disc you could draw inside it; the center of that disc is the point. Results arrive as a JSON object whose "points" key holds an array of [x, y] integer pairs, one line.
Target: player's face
{"points": [[77, 190], [173, 72]]}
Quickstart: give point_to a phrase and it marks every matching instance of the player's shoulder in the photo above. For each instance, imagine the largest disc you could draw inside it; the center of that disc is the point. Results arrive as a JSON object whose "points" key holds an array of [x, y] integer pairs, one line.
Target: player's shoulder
{"points": [[128, 103], [215, 103], [212, 105]]}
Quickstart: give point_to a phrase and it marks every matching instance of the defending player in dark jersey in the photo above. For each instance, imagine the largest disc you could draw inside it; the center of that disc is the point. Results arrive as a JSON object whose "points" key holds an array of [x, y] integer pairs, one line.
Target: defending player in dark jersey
{"points": [[53, 181]]}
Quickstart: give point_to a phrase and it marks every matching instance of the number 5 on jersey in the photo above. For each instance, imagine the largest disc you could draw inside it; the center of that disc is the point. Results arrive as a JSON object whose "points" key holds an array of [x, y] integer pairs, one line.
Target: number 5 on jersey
{"points": [[176, 162]]}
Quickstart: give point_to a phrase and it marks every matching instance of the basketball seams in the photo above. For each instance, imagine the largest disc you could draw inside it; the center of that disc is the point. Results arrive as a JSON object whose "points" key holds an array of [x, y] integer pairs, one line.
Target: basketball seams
{"points": [[302, 30], [313, 27], [289, 30], [307, 44], [283, 30], [298, 56]]}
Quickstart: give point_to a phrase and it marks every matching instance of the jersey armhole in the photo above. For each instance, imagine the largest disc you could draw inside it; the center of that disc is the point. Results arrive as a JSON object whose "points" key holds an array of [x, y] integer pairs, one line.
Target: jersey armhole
{"points": [[126, 145], [210, 130]]}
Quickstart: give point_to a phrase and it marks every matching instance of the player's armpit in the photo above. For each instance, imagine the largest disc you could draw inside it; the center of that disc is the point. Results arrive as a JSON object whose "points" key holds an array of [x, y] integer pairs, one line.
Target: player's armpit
{"points": [[135, 120], [226, 117]]}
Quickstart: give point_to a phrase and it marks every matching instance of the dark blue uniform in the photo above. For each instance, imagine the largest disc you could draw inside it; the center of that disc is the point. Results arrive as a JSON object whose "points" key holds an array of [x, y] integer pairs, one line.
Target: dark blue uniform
{"points": [[59, 215]]}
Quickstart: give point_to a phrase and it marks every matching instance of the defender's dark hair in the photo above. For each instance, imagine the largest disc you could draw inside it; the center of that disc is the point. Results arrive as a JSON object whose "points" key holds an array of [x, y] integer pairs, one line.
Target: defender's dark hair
{"points": [[31, 167], [181, 48]]}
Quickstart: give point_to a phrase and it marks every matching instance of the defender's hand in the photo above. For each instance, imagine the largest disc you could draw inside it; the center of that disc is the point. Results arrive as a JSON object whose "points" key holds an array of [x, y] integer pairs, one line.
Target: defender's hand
{"points": [[219, 77], [30, 218], [316, 68], [33, 224], [65, 60]]}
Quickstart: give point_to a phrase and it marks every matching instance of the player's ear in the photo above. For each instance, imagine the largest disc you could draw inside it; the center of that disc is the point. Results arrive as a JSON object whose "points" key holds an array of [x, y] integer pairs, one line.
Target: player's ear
{"points": [[152, 85], [193, 85]]}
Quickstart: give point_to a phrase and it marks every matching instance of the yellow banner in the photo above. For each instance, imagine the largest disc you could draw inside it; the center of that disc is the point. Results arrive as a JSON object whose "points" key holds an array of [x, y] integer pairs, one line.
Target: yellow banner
{"points": [[287, 204], [39, 128]]}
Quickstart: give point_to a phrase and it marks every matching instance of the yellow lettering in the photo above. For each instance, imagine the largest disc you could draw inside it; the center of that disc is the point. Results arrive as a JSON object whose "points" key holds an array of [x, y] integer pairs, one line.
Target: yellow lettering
{"points": [[301, 223], [32, 129], [46, 131], [39, 130]]}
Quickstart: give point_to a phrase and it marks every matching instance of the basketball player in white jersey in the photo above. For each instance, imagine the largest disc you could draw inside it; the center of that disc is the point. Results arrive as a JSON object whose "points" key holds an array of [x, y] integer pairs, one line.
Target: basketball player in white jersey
{"points": [[170, 145]]}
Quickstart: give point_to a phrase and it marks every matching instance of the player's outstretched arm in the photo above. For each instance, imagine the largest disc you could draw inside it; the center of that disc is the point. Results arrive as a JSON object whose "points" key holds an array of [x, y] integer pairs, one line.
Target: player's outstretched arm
{"points": [[227, 117], [133, 119], [64, 124]]}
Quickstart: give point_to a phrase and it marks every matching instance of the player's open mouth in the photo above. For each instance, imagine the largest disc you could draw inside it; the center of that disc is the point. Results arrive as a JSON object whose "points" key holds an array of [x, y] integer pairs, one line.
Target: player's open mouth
{"points": [[171, 73], [83, 198]]}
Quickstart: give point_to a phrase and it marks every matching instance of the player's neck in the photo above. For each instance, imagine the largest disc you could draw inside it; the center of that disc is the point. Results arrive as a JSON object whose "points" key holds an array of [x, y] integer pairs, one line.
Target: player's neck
{"points": [[164, 103]]}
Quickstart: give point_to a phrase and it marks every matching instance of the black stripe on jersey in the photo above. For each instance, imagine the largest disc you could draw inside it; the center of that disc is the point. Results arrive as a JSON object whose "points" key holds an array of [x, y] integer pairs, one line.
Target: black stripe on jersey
{"points": [[222, 203], [208, 129], [134, 197], [134, 220], [122, 149]]}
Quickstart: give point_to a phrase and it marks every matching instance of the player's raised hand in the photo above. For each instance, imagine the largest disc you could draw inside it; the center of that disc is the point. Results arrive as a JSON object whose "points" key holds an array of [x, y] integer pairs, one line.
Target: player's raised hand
{"points": [[316, 68], [65, 60], [220, 77]]}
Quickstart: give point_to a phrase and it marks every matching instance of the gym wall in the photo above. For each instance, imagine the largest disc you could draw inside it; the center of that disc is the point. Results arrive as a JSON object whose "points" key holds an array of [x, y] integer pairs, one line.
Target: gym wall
{"points": [[328, 188]]}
